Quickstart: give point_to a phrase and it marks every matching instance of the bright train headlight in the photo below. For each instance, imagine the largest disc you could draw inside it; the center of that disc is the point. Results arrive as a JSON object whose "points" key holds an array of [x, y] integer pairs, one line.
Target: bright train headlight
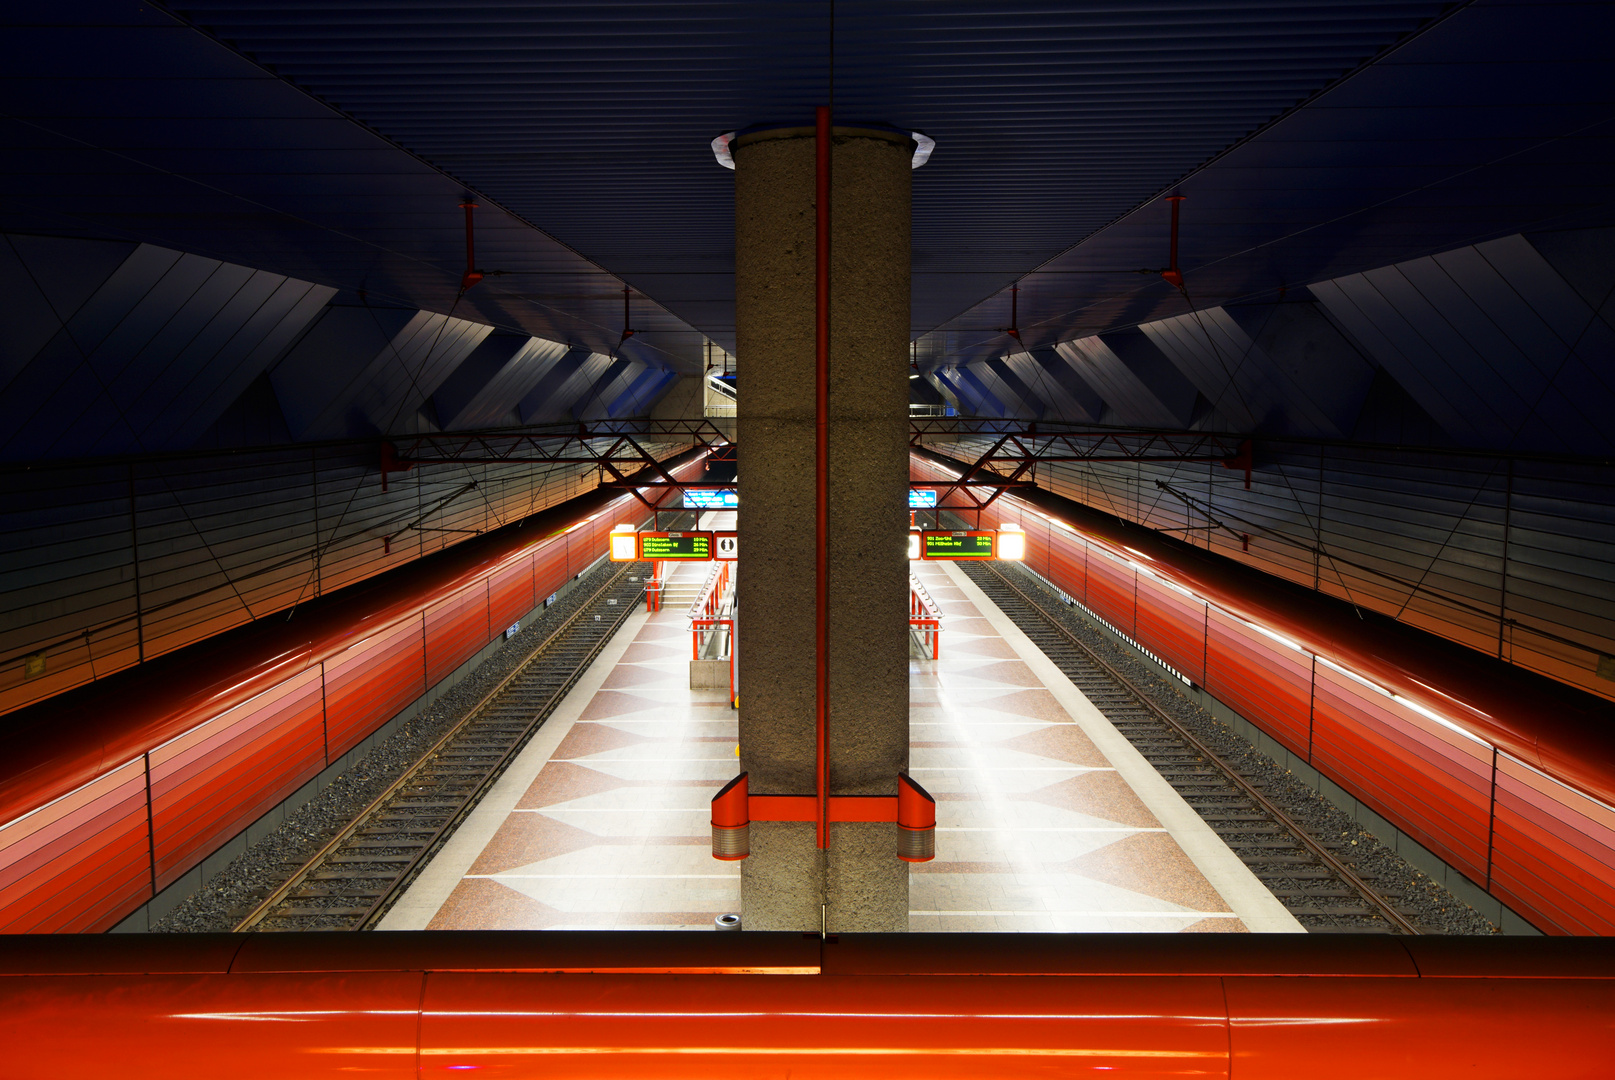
{"points": [[1011, 543], [624, 544]]}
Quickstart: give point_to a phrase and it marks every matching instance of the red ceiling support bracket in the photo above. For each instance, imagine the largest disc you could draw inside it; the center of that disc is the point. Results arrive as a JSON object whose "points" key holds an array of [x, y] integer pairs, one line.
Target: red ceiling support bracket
{"points": [[628, 330], [1242, 459], [472, 274], [1014, 327], [1172, 274], [391, 463]]}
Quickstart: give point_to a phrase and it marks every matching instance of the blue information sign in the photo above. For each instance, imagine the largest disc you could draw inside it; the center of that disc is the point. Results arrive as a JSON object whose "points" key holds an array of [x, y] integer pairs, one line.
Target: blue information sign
{"points": [[709, 499]]}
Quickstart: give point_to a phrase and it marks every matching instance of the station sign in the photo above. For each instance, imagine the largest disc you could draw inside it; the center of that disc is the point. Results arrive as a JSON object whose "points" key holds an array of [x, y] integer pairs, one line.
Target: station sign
{"points": [[961, 544], [725, 546], [675, 546], [710, 499], [921, 498]]}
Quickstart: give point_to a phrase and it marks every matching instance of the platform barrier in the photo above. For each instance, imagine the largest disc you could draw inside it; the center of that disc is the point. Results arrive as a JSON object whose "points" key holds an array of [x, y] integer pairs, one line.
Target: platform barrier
{"points": [[645, 1003], [924, 619]]}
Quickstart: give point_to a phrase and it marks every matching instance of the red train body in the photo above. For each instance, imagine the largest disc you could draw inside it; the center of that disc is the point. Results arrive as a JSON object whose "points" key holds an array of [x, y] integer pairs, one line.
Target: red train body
{"points": [[1506, 775], [567, 1006], [111, 792]]}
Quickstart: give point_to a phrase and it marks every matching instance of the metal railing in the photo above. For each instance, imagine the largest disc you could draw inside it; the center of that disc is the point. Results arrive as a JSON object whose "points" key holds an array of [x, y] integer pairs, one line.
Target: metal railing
{"points": [[712, 622], [924, 619]]}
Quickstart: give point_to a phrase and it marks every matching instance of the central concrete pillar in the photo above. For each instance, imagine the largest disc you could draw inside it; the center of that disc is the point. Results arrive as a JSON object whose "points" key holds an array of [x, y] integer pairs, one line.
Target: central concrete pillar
{"points": [[858, 878]]}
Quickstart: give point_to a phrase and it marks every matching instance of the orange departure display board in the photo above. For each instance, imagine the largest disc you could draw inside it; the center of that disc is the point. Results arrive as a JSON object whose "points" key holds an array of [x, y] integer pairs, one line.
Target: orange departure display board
{"points": [[977, 544], [676, 546]]}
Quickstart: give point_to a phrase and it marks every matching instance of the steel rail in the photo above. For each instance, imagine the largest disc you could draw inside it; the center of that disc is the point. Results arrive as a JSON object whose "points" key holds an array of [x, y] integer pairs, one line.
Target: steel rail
{"points": [[407, 876], [1248, 790], [300, 875]]}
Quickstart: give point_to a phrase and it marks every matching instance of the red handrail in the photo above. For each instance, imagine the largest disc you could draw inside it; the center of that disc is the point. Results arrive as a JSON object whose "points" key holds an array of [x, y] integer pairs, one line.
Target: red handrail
{"points": [[925, 615], [707, 616]]}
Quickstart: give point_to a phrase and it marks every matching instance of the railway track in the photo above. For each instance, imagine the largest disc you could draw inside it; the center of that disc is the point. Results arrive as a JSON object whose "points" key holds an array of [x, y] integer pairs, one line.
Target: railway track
{"points": [[1302, 871], [351, 882]]}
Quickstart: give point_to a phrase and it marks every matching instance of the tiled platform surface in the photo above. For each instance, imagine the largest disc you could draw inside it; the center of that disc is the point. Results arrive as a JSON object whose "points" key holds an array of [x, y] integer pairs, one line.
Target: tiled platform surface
{"points": [[603, 821], [1047, 818]]}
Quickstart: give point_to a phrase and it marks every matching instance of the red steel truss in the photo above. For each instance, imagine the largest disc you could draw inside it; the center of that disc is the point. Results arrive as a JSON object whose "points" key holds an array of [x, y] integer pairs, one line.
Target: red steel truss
{"points": [[617, 449]]}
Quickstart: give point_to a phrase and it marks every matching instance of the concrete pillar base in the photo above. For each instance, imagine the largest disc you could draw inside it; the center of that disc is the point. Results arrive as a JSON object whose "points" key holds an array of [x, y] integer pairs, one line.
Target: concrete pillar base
{"points": [[782, 885]]}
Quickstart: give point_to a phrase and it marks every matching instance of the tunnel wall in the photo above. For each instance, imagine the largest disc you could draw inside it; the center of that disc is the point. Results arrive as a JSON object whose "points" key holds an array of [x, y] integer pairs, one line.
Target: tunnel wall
{"points": [[1491, 807], [111, 793]]}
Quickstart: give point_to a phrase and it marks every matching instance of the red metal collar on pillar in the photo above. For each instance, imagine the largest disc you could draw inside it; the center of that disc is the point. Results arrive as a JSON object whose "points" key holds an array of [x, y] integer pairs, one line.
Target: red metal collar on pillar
{"points": [[821, 457]]}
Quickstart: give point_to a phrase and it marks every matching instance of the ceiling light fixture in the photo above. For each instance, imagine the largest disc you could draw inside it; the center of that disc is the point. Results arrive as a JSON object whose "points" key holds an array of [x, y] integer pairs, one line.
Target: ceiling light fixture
{"points": [[923, 146]]}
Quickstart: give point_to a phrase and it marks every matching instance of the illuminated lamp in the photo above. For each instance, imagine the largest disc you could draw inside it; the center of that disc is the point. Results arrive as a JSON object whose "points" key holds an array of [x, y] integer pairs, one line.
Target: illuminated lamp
{"points": [[1012, 543], [913, 545], [623, 544]]}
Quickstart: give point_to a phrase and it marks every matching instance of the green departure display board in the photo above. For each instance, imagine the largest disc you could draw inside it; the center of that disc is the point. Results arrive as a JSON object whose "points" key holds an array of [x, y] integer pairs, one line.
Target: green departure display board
{"points": [[959, 545], [688, 546]]}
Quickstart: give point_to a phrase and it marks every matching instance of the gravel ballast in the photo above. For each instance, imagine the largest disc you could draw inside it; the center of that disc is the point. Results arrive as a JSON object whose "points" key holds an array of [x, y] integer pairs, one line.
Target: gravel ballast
{"points": [[229, 895], [233, 892], [1429, 904]]}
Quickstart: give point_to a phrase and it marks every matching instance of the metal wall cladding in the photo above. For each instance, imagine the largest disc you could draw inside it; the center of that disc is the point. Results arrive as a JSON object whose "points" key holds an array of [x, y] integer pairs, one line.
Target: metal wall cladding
{"points": [[1541, 846], [1491, 341], [1112, 592], [511, 594], [149, 359], [1175, 626], [105, 565], [1513, 556], [216, 779], [501, 371], [1433, 782], [81, 862], [550, 569]]}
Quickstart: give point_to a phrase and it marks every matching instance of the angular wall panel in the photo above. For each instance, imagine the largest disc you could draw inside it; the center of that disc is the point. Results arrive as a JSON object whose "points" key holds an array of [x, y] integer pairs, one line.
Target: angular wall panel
{"points": [[154, 356], [493, 379]]}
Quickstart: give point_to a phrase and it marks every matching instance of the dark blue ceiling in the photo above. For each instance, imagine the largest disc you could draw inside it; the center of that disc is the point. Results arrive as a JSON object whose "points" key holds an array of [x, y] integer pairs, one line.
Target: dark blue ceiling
{"points": [[1498, 120], [593, 121], [329, 140]]}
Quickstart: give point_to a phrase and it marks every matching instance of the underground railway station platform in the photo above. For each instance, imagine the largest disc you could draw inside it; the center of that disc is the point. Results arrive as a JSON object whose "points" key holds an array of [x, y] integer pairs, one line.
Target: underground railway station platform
{"points": [[807, 540], [603, 821]]}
